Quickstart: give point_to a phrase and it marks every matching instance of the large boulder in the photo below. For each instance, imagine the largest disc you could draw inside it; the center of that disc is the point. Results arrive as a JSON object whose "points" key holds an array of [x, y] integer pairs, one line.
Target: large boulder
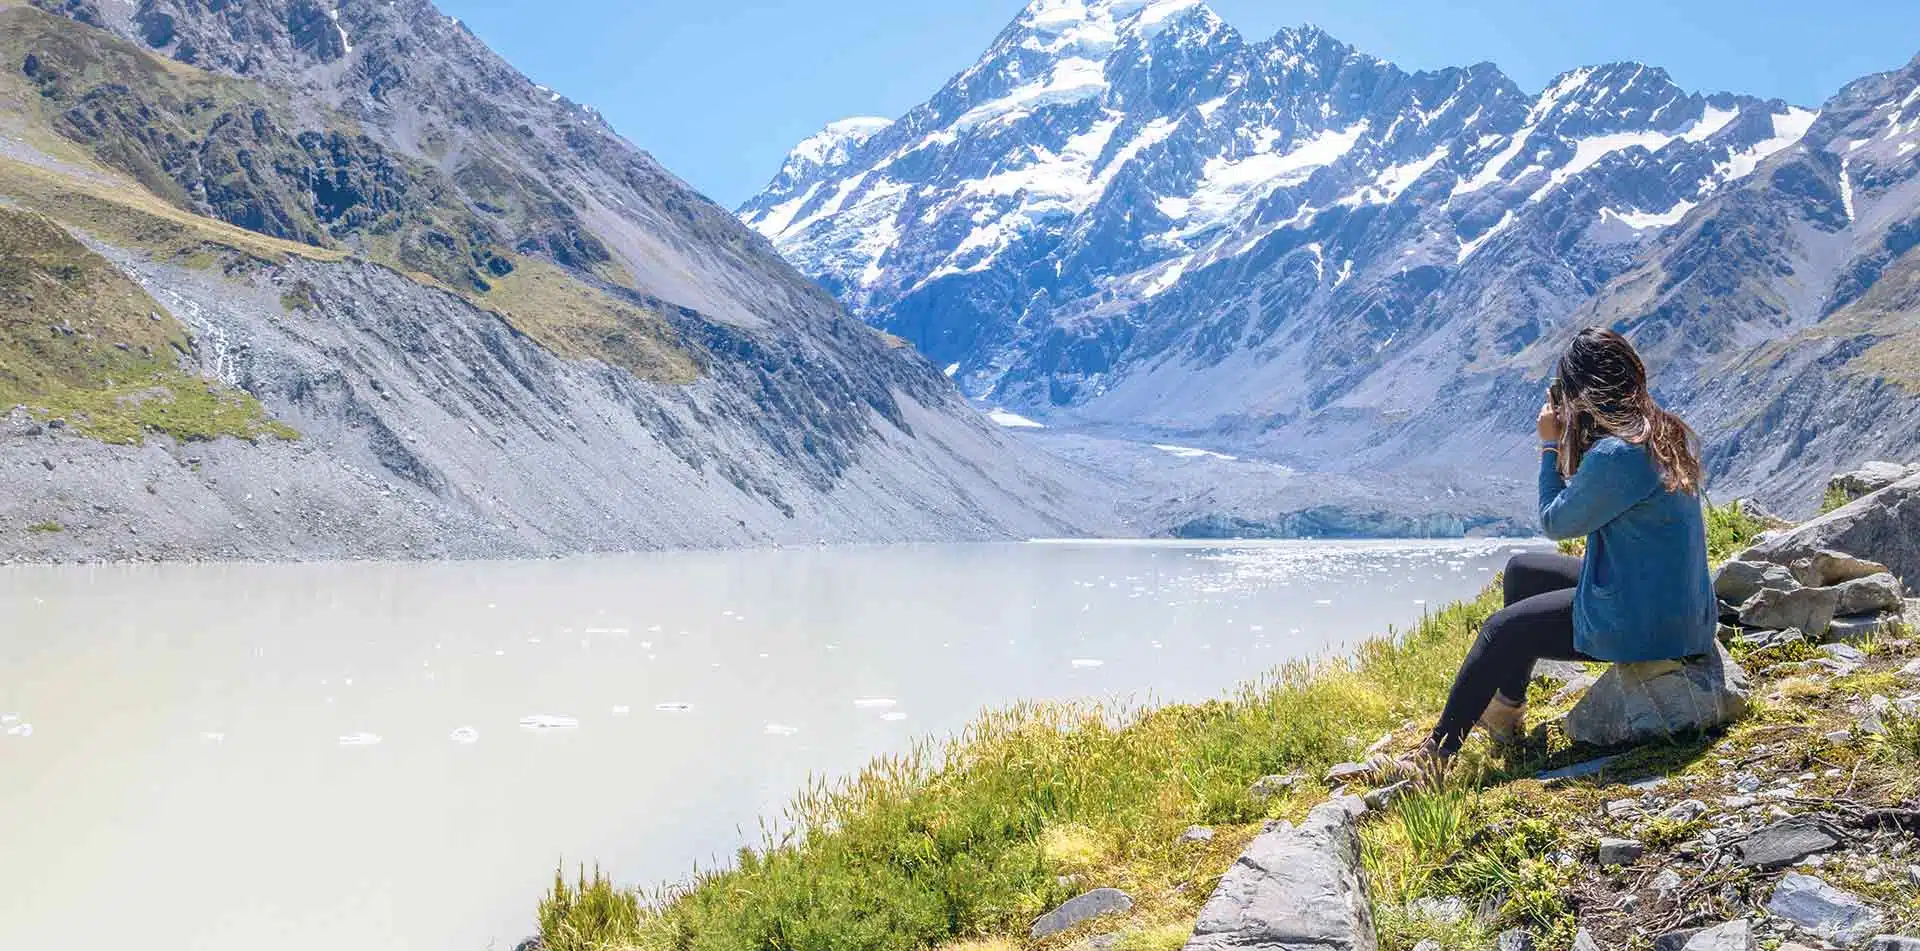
{"points": [[1871, 594], [1294, 888], [1871, 477], [1883, 526], [1833, 567], [1659, 700], [1808, 609]]}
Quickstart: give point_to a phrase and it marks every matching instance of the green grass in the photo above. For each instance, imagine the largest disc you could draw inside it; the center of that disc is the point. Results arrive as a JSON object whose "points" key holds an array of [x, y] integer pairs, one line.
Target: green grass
{"points": [[45, 528], [80, 342], [1730, 530], [1834, 498], [968, 839]]}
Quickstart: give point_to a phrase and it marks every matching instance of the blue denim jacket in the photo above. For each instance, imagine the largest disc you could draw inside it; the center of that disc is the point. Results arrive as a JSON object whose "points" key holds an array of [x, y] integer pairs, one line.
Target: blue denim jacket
{"points": [[1645, 593]]}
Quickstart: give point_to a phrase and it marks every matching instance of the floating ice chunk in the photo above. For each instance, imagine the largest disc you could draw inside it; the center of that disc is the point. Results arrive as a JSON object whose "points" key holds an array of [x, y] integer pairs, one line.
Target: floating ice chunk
{"points": [[781, 729], [548, 721], [20, 729], [1085, 662], [465, 734], [875, 703], [673, 706], [360, 739], [893, 716]]}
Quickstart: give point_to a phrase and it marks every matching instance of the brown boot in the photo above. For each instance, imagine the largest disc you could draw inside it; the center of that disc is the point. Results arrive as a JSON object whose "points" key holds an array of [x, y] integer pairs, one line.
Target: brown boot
{"points": [[1425, 765], [1504, 720]]}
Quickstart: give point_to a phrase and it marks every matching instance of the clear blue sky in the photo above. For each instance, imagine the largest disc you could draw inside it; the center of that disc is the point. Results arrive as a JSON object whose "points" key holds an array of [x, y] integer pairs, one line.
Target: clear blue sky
{"points": [[719, 90]]}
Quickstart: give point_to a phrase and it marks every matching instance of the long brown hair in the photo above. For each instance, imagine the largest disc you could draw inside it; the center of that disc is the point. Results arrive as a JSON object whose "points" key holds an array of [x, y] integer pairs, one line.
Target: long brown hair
{"points": [[1603, 391]]}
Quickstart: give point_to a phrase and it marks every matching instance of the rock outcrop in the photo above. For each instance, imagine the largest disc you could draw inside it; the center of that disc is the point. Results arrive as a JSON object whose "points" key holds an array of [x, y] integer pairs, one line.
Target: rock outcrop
{"points": [[1884, 525], [1295, 889], [1659, 700], [1083, 907]]}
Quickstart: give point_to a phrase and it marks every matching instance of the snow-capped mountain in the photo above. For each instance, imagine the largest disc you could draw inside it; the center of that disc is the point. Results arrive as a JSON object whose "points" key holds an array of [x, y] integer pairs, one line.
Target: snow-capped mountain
{"points": [[1127, 215]]}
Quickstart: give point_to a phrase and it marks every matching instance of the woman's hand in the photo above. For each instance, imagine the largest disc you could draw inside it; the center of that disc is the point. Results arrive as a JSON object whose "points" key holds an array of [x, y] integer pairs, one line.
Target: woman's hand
{"points": [[1549, 422]]}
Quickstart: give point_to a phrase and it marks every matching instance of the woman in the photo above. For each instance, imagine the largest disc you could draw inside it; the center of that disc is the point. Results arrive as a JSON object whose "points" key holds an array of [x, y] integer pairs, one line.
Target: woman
{"points": [[1623, 472]]}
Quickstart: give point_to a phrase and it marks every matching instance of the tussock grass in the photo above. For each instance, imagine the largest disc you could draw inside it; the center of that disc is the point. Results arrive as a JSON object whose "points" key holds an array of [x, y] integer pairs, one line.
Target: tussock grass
{"points": [[972, 838]]}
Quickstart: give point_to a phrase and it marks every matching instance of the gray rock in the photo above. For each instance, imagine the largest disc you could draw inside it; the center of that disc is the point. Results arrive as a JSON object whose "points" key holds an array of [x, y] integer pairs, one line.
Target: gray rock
{"points": [[1082, 907], [1828, 913], [1427, 944], [1621, 808], [1844, 653], [1268, 787], [1828, 568], [1736, 581], [1761, 639], [1784, 843], [1574, 687], [1353, 806], [1343, 773], [1293, 888], [1874, 593], [1684, 811], [1196, 834], [1443, 910], [1620, 851], [1758, 511], [1855, 628], [531, 944], [1578, 770], [1675, 940], [1871, 477], [1660, 700], [1808, 609], [1884, 526], [1558, 671], [1736, 935], [1514, 939], [1384, 796], [1894, 942], [1583, 941], [1911, 671], [1667, 881]]}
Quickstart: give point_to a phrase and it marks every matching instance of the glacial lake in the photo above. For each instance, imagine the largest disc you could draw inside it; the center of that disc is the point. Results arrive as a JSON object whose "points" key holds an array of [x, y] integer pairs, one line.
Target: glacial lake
{"points": [[398, 756]]}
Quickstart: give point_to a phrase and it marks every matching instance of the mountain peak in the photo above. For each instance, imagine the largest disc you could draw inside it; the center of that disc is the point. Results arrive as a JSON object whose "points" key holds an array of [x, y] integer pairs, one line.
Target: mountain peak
{"points": [[834, 144]]}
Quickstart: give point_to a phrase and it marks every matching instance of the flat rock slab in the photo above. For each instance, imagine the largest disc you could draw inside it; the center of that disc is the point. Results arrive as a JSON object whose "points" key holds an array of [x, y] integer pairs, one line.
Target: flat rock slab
{"points": [[1660, 700], [1784, 843], [1293, 889], [1831, 914], [1085, 907], [1581, 770], [1734, 935]]}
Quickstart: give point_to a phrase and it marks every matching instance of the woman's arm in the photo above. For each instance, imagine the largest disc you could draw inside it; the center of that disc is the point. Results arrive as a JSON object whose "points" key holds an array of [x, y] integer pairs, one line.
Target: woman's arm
{"points": [[1612, 477]]}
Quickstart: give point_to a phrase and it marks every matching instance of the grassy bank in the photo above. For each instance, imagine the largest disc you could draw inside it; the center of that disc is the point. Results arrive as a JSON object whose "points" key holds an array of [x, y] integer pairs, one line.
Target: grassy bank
{"points": [[965, 842]]}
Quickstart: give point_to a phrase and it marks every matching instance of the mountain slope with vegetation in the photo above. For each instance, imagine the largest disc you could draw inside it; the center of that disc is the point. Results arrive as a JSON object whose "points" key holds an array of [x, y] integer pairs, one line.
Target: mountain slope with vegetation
{"points": [[498, 328]]}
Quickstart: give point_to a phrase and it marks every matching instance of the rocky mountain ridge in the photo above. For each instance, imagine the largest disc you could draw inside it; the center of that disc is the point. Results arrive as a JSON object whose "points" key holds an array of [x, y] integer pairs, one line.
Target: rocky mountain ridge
{"points": [[1128, 217], [484, 324]]}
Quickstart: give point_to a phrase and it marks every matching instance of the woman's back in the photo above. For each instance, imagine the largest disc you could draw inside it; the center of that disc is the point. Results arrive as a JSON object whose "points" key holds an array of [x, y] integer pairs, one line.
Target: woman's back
{"points": [[1645, 592]]}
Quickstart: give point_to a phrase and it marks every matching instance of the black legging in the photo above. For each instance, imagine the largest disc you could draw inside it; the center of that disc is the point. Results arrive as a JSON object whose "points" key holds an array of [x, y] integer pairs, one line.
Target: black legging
{"points": [[1536, 623]]}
